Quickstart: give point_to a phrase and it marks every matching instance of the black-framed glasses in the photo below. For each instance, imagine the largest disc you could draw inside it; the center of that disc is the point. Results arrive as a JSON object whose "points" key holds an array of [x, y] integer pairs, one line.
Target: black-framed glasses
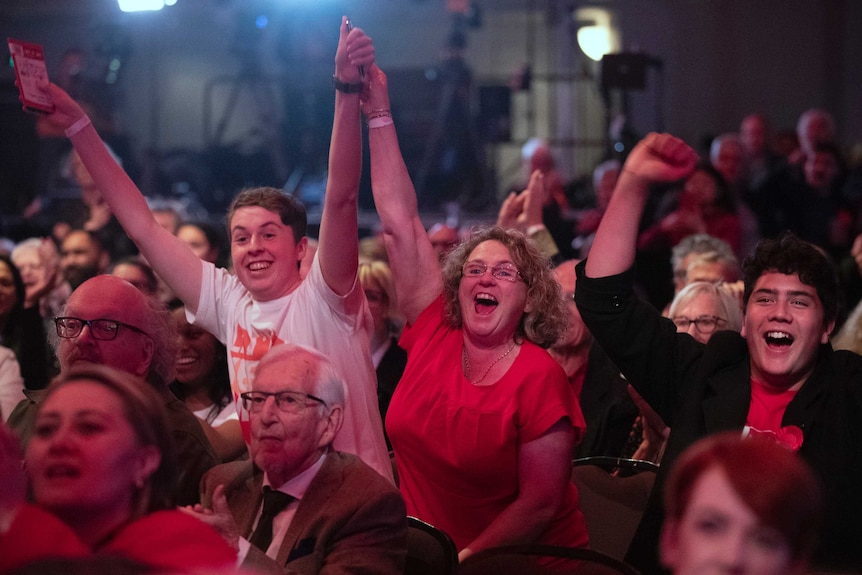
{"points": [[506, 272], [103, 329], [286, 401], [705, 324]]}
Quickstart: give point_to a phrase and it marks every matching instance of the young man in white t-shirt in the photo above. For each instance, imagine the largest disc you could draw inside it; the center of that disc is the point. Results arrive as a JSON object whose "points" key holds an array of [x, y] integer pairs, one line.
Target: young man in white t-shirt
{"points": [[267, 302]]}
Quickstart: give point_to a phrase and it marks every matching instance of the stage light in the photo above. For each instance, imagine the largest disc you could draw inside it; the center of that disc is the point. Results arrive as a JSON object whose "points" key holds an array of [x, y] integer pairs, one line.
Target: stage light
{"points": [[141, 5], [596, 35]]}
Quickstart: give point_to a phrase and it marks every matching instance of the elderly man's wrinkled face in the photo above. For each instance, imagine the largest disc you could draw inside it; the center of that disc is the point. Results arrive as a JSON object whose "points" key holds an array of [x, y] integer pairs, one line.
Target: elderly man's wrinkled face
{"points": [[287, 438]]}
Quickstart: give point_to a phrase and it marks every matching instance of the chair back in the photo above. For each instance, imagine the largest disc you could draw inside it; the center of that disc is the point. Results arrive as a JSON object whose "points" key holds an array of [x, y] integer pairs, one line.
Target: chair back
{"points": [[538, 559], [430, 551], [612, 505]]}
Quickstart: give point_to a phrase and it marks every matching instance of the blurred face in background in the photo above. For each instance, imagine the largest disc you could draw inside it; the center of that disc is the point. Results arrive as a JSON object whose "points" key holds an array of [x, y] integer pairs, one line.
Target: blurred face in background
{"points": [[80, 258], [7, 290], [752, 132], [577, 335], [196, 239], [820, 169], [730, 162], [699, 191], [718, 533], [704, 309]]}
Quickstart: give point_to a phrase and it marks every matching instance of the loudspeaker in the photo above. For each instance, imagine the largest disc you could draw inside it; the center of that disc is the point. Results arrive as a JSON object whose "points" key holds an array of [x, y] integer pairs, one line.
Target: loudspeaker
{"points": [[624, 71]]}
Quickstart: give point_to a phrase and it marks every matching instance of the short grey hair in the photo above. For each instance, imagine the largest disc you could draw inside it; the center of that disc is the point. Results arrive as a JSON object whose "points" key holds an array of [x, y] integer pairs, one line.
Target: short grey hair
{"points": [[702, 244], [328, 384], [726, 302]]}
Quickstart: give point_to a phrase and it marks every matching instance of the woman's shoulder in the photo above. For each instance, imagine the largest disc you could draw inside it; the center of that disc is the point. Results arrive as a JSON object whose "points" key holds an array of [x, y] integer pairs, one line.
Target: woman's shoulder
{"points": [[172, 539]]}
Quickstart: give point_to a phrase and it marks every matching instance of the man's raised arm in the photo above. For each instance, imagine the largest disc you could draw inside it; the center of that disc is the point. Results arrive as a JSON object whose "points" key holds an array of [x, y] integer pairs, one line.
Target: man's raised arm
{"points": [[338, 250], [170, 257], [657, 158]]}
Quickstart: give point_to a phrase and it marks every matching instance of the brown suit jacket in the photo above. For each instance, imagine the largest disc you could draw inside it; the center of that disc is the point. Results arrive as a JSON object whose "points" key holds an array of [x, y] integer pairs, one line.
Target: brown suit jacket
{"points": [[351, 519]]}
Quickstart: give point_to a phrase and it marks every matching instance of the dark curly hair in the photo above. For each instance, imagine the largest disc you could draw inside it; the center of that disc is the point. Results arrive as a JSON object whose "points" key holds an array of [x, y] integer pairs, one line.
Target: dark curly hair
{"points": [[790, 255], [548, 320]]}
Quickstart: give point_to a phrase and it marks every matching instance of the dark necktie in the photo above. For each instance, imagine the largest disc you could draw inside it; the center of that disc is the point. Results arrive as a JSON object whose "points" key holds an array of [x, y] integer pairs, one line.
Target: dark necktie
{"points": [[274, 502]]}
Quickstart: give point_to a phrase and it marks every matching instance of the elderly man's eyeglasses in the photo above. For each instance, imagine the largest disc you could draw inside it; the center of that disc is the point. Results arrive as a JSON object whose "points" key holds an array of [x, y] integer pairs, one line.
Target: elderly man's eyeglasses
{"points": [[286, 401], [103, 329], [506, 272], [705, 324]]}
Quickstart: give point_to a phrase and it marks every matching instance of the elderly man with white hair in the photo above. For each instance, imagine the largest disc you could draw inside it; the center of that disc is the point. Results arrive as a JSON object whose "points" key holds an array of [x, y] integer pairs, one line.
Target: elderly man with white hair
{"points": [[297, 505]]}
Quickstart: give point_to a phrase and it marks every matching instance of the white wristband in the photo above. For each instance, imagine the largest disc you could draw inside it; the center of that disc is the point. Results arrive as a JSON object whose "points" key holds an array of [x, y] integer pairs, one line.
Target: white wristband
{"points": [[79, 125], [380, 121], [534, 229]]}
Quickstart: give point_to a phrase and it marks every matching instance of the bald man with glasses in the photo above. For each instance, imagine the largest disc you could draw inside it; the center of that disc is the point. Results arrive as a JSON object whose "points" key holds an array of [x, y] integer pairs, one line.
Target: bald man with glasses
{"points": [[108, 321]]}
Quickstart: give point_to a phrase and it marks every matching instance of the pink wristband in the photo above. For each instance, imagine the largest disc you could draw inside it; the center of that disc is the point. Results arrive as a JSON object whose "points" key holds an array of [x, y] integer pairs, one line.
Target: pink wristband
{"points": [[79, 125], [379, 121]]}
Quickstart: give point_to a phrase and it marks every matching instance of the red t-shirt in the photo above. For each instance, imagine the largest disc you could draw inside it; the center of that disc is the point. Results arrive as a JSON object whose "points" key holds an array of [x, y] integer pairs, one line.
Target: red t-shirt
{"points": [[169, 541], [456, 444], [766, 412]]}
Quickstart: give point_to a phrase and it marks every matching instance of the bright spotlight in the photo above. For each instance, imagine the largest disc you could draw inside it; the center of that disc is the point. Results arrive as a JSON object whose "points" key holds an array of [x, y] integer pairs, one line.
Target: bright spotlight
{"points": [[597, 34], [141, 5], [595, 41]]}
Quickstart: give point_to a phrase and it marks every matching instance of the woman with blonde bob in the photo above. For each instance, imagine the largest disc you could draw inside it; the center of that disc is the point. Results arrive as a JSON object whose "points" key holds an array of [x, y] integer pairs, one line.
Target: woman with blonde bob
{"points": [[702, 308], [101, 469], [389, 359], [748, 506]]}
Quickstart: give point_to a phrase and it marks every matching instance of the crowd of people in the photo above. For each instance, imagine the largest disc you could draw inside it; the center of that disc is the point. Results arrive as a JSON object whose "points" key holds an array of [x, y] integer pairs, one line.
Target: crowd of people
{"points": [[285, 407]]}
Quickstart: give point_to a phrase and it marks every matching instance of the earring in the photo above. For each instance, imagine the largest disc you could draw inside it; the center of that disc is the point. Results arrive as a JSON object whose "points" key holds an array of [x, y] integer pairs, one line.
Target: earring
{"points": [[139, 482]]}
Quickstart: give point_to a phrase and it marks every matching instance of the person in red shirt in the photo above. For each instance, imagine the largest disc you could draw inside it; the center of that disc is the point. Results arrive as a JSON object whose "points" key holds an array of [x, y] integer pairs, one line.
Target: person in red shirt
{"points": [[101, 469]]}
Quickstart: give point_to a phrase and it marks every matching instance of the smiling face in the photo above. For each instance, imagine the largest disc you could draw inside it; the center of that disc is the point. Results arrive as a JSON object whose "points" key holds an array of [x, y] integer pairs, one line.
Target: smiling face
{"points": [[196, 354], [265, 253], [84, 456], [718, 533], [784, 326], [491, 308], [285, 444]]}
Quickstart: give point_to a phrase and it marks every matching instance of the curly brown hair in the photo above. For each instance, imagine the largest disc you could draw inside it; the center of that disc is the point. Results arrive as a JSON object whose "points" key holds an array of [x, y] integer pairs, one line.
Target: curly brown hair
{"points": [[548, 319]]}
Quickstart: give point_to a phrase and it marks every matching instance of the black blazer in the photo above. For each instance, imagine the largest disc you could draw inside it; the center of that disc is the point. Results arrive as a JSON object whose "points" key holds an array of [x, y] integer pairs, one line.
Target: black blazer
{"points": [[703, 389]]}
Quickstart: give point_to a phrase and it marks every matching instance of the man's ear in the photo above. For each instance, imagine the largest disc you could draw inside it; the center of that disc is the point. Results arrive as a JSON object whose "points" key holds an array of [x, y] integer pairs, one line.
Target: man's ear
{"points": [[331, 425], [147, 352], [149, 460], [824, 338], [301, 248]]}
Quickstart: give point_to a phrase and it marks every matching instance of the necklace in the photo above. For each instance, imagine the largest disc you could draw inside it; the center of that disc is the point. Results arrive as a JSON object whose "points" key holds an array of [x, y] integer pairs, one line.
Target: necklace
{"points": [[467, 363]]}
